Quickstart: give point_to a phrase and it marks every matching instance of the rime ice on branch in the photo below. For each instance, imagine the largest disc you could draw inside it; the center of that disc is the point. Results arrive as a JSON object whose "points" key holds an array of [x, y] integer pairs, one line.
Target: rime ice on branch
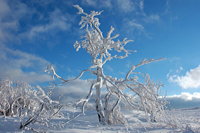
{"points": [[144, 95], [95, 43]]}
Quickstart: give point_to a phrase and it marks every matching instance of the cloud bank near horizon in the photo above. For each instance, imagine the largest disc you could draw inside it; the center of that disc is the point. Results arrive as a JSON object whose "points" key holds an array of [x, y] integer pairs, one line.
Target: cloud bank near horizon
{"points": [[190, 80], [184, 100]]}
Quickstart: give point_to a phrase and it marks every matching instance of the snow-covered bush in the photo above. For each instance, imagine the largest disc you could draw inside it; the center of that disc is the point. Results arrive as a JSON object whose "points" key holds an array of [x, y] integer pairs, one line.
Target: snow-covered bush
{"points": [[31, 104], [144, 93], [146, 98], [16, 97]]}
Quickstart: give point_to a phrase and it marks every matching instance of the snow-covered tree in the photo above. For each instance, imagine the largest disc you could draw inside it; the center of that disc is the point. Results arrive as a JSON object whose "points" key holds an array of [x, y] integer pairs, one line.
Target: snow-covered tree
{"points": [[144, 93], [30, 104]]}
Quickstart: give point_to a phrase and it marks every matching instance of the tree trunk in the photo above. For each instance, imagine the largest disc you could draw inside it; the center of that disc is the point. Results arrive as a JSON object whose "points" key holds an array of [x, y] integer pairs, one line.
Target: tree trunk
{"points": [[99, 106]]}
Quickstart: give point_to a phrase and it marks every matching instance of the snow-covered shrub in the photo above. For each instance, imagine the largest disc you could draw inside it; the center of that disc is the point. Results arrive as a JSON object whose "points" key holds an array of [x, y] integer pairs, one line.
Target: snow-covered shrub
{"points": [[31, 104], [15, 97], [146, 98]]}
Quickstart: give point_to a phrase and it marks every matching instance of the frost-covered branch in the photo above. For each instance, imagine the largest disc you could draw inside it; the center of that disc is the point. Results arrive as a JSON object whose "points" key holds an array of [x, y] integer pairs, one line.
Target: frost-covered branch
{"points": [[32, 119], [144, 62], [89, 19], [50, 70], [96, 45], [85, 101]]}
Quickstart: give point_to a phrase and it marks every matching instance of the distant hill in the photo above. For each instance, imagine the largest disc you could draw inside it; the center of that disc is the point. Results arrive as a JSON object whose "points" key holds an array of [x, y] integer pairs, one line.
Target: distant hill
{"points": [[176, 103]]}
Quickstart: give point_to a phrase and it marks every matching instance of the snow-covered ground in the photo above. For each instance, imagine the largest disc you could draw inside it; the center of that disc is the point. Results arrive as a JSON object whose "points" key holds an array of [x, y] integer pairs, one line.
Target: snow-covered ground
{"points": [[178, 121]]}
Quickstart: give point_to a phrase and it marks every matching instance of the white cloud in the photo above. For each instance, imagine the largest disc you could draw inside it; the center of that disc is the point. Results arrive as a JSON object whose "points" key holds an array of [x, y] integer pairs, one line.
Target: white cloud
{"points": [[57, 20], [15, 64], [4, 8], [8, 21], [187, 96], [135, 26], [126, 5], [190, 80], [106, 3], [184, 100], [18, 65], [13, 13], [98, 3], [73, 90], [179, 69], [78, 87], [90, 2], [141, 5], [152, 18], [167, 7]]}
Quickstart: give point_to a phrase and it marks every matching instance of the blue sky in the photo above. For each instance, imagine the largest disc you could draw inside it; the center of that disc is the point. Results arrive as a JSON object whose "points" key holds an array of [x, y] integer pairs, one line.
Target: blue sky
{"points": [[36, 33]]}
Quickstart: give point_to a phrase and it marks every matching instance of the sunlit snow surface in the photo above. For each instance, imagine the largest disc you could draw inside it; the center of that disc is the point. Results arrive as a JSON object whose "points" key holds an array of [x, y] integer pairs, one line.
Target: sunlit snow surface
{"points": [[186, 121]]}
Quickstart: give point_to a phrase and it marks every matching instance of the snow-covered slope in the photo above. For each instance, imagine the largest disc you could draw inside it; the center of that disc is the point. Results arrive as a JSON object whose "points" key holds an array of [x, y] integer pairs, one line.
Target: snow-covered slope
{"points": [[178, 121]]}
